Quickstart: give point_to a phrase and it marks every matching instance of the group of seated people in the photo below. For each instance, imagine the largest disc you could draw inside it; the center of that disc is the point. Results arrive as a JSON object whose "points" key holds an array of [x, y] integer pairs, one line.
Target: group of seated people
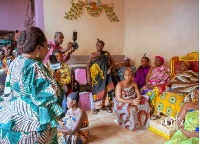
{"points": [[139, 94]]}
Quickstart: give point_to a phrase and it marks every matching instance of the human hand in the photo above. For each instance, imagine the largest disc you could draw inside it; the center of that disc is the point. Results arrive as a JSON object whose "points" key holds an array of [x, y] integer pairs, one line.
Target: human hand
{"points": [[109, 71], [89, 81], [136, 101], [5, 69], [57, 75], [149, 86], [68, 48]]}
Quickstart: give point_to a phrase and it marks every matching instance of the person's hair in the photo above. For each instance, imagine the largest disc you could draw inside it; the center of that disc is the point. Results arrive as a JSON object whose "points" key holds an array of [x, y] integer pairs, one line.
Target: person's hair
{"points": [[57, 33], [29, 39], [100, 41], [56, 51], [74, 96], [128, 69], [145, 57]]}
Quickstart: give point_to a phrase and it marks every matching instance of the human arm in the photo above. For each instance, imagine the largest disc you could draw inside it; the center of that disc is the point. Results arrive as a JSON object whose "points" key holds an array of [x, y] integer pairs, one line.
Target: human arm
{"points": [[137, 91], [76, 126], [112, 63], [149, 74], [181, 118], [118, 94], [88, 69], [67, 52], [189, 133]]}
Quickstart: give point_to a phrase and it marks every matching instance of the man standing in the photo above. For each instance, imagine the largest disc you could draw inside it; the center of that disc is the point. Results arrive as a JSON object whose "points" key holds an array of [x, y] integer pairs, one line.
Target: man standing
{"points": [[55, 44]]}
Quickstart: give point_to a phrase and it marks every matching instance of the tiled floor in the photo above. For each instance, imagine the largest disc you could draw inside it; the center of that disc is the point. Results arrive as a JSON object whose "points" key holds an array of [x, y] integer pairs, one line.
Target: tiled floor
{"points": [[103, 130]]}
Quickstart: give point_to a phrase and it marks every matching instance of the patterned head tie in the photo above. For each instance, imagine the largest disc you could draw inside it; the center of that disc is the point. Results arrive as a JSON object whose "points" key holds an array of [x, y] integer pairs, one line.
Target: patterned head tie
{"points": [[161, 58]]}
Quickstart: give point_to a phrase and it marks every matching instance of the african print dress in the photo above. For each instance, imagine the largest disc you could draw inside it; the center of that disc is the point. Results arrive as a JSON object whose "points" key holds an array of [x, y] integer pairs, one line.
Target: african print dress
{"points": [[191, 123], [29, 114], [79, 137], [102, 83], [130, 116], [182, 89]]}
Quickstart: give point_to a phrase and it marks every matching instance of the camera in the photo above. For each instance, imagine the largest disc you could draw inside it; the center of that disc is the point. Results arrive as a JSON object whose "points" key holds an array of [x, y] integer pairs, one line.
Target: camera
{"points": [[75, 44]]}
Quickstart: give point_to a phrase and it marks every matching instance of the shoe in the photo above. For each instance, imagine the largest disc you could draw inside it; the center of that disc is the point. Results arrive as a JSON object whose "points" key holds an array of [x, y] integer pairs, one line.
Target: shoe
{"points": [[95, 111], [154, 117], [109, 110]]}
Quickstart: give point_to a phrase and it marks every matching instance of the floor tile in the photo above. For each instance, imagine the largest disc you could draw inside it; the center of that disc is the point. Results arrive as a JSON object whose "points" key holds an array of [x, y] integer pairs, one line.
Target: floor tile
{"points": [[104, 130]]}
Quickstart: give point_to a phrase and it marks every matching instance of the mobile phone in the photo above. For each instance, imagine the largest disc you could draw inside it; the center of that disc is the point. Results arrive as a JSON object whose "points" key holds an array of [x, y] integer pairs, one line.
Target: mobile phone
{"points": [[75, 35]]}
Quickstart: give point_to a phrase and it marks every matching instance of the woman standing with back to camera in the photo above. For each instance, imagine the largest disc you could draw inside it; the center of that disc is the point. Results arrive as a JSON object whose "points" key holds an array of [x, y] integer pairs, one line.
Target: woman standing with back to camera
{"points": [[29, 114]]}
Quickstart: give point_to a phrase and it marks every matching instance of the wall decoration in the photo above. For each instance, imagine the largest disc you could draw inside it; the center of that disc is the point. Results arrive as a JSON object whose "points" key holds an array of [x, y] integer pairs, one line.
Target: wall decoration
{"points": [[94, 9]]}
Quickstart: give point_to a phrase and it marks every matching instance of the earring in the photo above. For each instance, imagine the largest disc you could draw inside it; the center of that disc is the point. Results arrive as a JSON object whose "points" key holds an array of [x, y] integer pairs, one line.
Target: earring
{"points": [[38, 55]]}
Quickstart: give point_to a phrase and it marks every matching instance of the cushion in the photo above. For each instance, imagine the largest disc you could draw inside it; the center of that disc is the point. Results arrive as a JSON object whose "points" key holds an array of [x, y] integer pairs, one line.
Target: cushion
{"points": [[80, 75]]}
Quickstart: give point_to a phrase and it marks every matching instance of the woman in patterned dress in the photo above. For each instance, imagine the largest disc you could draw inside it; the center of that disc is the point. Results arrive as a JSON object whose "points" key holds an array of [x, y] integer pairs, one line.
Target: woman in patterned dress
{"points": [[188, 123], [156, 79], [178, 90], [30, 113], [70, 127], [132, 109], [99, 69]]}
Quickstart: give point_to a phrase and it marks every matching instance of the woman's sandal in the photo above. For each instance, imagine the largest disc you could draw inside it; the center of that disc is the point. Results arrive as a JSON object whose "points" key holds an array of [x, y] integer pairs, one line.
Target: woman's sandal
{"points": [[155, 117], [109, 110], [95, 111]]}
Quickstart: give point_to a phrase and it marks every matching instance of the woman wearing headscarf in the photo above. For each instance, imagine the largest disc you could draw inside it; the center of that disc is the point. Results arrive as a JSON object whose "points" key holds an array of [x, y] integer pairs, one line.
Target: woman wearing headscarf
{"points": [[70, 127], [157, 78], [179, 90], [30, 113], [99, 67], [142, 71], [127, 63]]}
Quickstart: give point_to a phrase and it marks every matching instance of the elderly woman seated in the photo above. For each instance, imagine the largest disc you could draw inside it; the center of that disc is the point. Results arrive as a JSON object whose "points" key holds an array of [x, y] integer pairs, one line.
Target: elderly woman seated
{"points": [[132, 109], [127, 63], [187, 123], [179, 88], [157, 78]]}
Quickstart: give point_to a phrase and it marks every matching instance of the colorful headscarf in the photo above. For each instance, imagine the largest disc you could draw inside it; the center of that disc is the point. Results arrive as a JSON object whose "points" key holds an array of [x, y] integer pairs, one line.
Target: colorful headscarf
{"points": [[161, 58]]}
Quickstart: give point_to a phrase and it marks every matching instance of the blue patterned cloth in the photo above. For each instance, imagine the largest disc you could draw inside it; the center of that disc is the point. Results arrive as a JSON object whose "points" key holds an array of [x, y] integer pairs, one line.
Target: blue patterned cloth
{"points": [[30, 113]]}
